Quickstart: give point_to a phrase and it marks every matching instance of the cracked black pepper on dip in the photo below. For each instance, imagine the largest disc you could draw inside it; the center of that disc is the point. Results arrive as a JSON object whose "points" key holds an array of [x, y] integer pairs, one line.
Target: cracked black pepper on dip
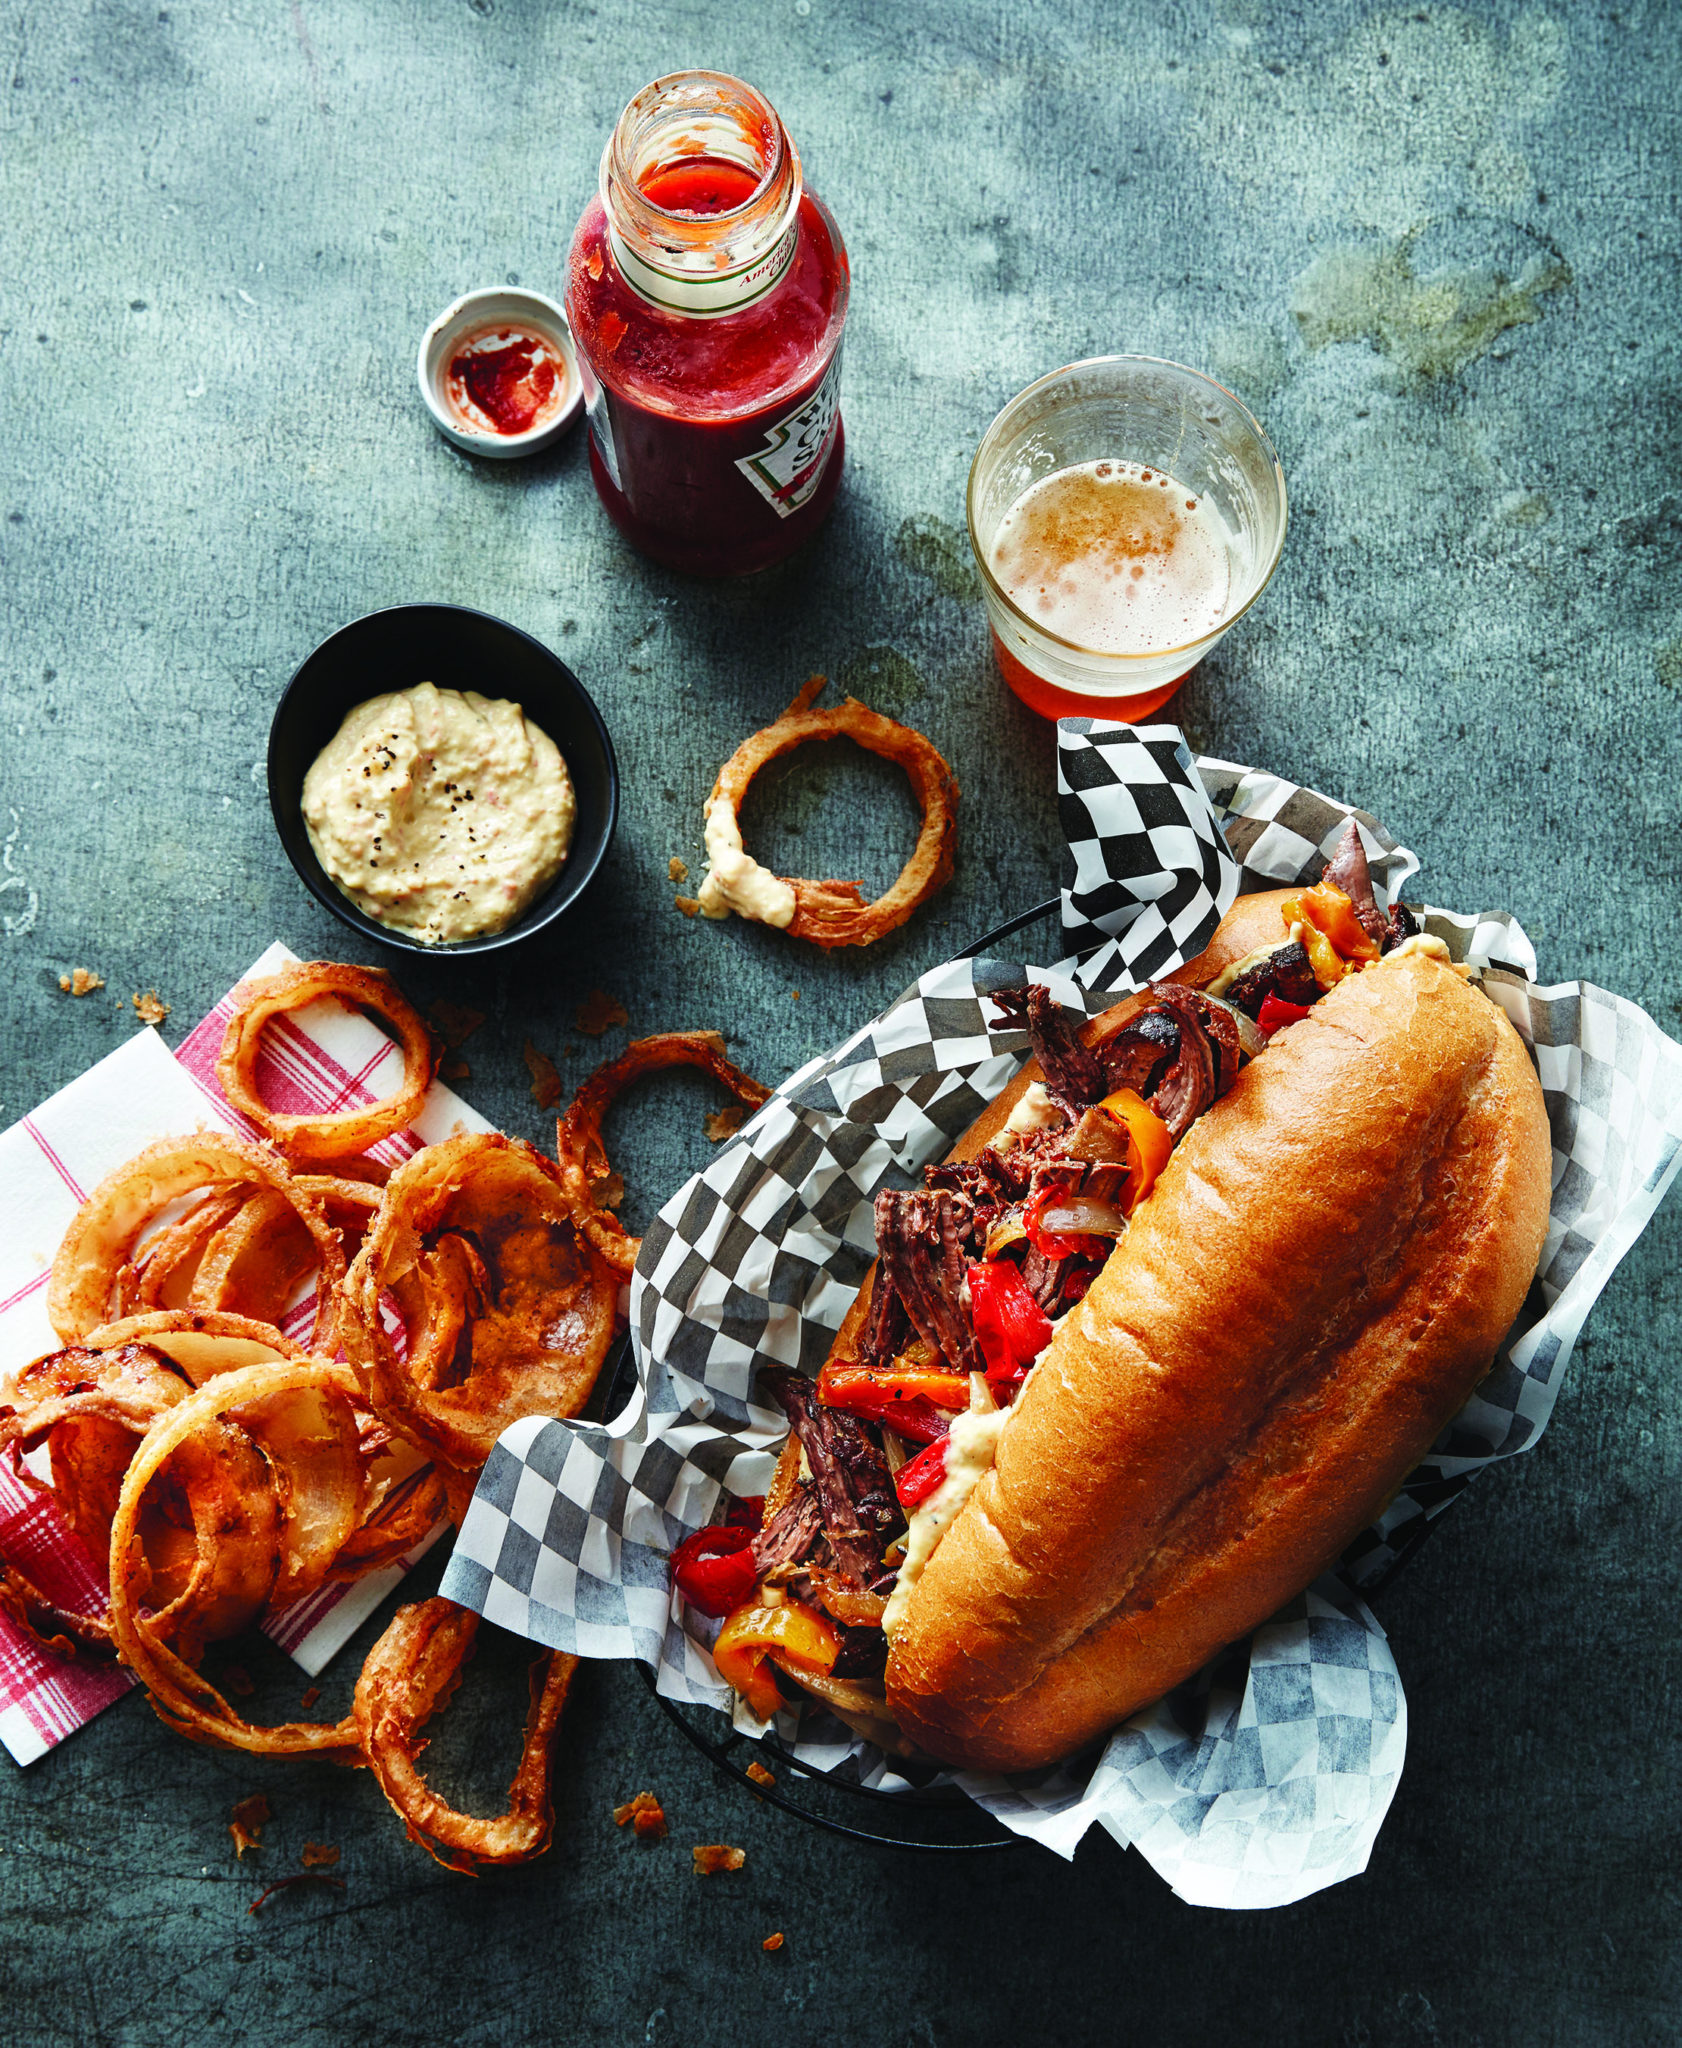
{"points": [[440, 813]]}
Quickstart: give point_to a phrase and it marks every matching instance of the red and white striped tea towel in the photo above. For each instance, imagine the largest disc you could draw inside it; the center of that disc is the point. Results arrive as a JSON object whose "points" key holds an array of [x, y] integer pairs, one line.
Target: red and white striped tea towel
{"points": [[323, 1058]]}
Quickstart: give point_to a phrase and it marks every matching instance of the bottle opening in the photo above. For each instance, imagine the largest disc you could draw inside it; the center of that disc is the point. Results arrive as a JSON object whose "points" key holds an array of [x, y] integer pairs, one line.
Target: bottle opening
{"points": [[692, 188]]}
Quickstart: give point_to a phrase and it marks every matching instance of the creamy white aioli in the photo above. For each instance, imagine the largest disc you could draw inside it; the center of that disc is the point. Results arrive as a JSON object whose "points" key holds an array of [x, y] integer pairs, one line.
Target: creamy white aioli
{"points": [[440, 813], [969, 1453], [1034, 1111], [734, 880], [1425, 945]]}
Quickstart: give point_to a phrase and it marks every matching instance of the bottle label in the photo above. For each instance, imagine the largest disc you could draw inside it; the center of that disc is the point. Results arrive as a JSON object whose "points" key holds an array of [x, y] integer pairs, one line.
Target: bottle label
{"points": [[601, 425], [789, 468], [708, 294]]}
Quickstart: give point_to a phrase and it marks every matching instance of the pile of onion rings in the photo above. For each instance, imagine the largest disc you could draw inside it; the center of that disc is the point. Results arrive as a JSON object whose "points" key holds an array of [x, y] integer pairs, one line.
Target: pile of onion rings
{"points": [[216, 1470], [829, 913]]}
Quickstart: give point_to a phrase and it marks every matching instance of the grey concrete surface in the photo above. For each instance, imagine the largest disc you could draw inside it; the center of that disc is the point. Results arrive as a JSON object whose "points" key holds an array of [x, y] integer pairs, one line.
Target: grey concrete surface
{"points": [[1437, 251]]}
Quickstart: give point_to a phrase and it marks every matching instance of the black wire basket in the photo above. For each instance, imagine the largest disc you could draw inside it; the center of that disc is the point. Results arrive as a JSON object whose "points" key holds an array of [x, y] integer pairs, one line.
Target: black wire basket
{"points": [[930, 1817]]}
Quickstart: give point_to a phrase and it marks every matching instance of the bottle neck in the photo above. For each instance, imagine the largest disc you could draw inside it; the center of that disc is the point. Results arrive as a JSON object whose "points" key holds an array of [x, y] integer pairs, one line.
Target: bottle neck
{"points": [[701, 186]]}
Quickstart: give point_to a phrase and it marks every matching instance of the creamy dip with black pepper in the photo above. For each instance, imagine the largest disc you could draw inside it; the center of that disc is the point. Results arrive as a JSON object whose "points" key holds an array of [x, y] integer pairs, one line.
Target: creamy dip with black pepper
{"points": [[440, 813]]}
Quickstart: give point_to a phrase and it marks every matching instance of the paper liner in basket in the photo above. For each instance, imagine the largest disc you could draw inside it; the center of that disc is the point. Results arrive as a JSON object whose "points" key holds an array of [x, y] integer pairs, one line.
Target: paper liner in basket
{"points": [[1266, 1777]]}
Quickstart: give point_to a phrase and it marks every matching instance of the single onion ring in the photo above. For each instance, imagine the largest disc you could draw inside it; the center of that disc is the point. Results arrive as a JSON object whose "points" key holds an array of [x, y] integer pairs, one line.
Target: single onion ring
{"points": [[585, 1174], [339, 1132], [510, 1308], [171, 1257], [184, 1699], [102, 1235], [201, 1341], [409, 1674], [828, 913]]}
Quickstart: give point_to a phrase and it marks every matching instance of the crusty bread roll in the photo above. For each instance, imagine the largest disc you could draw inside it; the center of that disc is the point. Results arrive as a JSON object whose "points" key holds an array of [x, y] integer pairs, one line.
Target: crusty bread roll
{"points": [[1314, 1287]]}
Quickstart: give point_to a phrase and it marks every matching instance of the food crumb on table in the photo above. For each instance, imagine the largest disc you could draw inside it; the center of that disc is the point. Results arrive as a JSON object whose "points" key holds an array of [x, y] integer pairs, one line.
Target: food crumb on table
{"points": [[599, 1012], [148, 1008], [726, 1122], [689, 905], [81, 981], [771, 1943], [546, 1088], [646, 1816], [711, 1857], [249, 1819], [677, 870], [760, 1775], [319, 1855]]}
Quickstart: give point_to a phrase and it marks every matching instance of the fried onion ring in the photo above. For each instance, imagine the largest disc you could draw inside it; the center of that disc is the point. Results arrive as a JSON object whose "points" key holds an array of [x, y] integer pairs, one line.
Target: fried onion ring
{"points": [[200, 1341], [184, 1699], [172, 1255], [591, 1184], [256, 1262], [335, 1134], [409, 1674], [510, 1309], [828, 913], [105, 1230]]}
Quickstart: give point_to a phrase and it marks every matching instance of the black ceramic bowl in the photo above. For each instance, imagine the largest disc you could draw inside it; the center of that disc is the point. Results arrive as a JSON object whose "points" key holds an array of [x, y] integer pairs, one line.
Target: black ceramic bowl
{"points": [[458, 650]]}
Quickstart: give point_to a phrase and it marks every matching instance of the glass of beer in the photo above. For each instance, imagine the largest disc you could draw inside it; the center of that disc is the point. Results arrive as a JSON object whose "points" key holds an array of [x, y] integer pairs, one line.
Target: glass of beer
{"points": [[1124, 513]]}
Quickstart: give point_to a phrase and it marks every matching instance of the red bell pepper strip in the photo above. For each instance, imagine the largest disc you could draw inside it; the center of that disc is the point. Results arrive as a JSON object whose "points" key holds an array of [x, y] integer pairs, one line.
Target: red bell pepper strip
{"points": [[920, 1476], [901, 1400], [1010, 1326], [714, 1569], [1276, 1013]]}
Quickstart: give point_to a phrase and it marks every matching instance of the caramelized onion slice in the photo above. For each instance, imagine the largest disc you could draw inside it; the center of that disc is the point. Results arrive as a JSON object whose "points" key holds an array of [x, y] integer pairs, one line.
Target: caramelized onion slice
{"points": [[185, 1699], [103, 1234], [590, 1182], [526, 1339], [835, 913], [409, 1674], [339, 1132]]}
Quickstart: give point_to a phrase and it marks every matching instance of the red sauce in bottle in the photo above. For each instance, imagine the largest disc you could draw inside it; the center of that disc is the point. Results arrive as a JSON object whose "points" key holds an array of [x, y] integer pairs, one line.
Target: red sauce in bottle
{"points": [[707, 293]]}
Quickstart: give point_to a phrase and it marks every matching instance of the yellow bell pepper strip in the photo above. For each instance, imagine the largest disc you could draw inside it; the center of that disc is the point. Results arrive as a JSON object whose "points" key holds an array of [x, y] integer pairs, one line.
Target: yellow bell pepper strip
{"points": [[910, 1401], [1149, 1143], [1327, 915], [794, 1635]]}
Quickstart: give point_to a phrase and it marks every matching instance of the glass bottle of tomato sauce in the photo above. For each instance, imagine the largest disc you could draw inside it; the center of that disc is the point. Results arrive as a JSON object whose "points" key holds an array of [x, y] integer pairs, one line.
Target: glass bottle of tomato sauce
{"points": [[707, 290]]}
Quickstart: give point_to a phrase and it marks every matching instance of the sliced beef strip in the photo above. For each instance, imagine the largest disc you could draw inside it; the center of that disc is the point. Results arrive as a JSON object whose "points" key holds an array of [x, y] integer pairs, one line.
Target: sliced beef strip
{"points": [[1136, 1056], [920, 1242], [1070, 1072], [1285, 974], [887, 1328], [1348, 870], [863, 1653], [791, 1533], [855, 1492], [1192, 1081], [1403, 925], [1200, 1018]]}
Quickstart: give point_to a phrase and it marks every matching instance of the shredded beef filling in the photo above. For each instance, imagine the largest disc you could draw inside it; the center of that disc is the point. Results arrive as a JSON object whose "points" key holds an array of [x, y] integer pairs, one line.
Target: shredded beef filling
{"points": [[1285, 974], [1403, 925], [1348, 870], [921, 1242], [860, 1511]]}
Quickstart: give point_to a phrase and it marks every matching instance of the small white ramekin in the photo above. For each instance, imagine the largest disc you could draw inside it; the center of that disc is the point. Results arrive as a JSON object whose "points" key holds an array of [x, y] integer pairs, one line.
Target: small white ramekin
{"points": [[496, 306]]}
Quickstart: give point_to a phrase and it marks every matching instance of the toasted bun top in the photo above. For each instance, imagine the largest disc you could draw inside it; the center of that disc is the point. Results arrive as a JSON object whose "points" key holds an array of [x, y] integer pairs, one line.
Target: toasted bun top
{"points": [[1317, 1280]]}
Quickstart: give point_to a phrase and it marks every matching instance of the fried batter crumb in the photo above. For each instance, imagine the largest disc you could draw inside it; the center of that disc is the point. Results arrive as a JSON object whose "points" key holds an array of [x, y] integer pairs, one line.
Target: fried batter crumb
{"points": [[454, 1023], [319, 1855], [80, 981], [282, 1884], [726, 1122], [677, 870], [455, 1068], [711, 1857], [599, 1012], [646, 1815], [148, 1009], [772, 1943], [546, 1089], [689, 905], [310, 1697], [249, 1818], [760, 1775]]}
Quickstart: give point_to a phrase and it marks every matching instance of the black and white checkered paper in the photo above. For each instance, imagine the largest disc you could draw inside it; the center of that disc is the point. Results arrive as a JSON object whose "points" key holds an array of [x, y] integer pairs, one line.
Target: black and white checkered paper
{"points": [[1267, 1776]]}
